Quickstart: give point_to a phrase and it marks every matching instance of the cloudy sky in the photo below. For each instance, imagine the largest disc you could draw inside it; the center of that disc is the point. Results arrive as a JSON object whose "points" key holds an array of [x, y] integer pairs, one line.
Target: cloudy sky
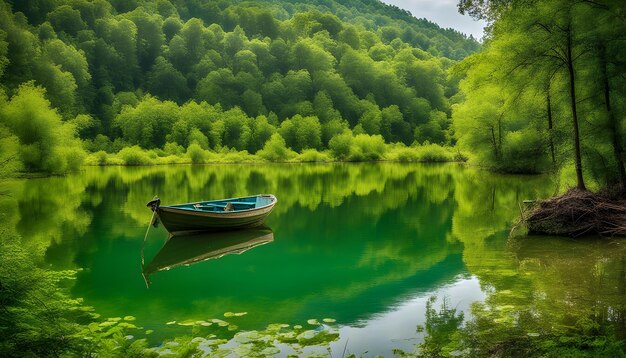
{"points": [[442, 12]]}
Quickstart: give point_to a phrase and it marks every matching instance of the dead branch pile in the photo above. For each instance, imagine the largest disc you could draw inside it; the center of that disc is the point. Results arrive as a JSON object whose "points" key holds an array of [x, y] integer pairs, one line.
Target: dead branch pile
{"points": [[577, 213]]}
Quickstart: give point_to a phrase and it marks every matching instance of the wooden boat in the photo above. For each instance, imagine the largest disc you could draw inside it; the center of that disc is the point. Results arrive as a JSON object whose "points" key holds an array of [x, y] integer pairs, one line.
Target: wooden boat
{"points": [[215, 215], [189, 249]]}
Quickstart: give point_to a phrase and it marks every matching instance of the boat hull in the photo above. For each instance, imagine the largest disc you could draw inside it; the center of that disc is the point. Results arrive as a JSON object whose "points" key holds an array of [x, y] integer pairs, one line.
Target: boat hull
{"points": [[179, 220]]}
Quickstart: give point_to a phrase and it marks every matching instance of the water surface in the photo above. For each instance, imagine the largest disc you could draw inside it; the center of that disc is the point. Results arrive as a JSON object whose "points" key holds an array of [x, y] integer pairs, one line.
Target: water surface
{"points": [[364, 244]]}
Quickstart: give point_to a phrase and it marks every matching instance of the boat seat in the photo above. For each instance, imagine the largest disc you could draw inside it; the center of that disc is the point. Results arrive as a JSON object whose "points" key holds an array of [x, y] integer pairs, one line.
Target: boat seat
{"points": [[223, 206]]}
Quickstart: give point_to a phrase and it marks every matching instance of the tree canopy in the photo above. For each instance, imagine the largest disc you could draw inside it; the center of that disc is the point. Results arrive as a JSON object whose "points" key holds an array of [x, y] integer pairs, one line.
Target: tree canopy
{"points": [[329, 66]]}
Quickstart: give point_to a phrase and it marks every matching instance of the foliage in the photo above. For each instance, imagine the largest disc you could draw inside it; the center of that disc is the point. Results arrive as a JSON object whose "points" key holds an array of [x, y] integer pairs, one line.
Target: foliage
{"points": [[522, 109], [312, 155], [366, 147], [134, 156], [275, 149], [196, 154], [149, 74], [45, 142], [38, 318], [421, 153]]}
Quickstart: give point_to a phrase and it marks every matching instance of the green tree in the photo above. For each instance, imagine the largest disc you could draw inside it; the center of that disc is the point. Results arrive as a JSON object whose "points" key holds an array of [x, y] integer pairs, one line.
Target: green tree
{"points": [[65, 19], [45, 142], [148, 123], [167, 83]]}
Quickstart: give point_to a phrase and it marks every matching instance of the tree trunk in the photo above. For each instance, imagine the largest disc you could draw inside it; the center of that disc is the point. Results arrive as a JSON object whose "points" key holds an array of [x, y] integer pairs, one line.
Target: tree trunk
{"points": [[495, 144], [572, 91], [614, 125], [550, 139]]}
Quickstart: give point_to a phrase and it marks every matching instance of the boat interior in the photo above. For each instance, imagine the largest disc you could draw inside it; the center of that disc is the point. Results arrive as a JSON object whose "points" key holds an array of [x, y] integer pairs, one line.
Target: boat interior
{"points": [[237, 204]]}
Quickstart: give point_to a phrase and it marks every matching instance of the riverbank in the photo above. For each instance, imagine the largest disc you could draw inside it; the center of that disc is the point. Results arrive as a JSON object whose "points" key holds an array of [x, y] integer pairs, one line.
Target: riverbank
{"points": [[579, 212], [135, 156]]}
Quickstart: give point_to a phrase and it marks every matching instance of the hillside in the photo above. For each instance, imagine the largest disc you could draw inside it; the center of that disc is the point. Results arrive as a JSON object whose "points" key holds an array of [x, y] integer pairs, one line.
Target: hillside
{"points": [[231, 73]]}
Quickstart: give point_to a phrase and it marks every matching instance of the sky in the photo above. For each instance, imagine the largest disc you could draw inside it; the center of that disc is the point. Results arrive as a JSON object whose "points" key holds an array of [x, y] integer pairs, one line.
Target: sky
{"points": [[442, 12]]}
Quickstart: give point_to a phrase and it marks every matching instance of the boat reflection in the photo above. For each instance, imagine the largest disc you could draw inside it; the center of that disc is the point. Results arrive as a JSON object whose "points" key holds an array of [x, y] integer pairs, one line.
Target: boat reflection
{"points": [[185, 250]]}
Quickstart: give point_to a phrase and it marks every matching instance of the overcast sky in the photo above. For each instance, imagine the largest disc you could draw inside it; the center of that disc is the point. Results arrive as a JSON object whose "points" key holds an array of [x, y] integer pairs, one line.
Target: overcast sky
{"points": [[442, 12]]}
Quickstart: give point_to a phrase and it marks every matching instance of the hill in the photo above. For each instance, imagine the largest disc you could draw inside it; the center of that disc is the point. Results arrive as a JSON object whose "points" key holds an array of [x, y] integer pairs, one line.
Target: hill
{"points": [[232, 73]]}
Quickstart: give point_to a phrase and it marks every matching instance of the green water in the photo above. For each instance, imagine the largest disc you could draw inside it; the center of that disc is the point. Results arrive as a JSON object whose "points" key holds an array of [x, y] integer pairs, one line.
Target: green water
{"points": [[364, 244]]}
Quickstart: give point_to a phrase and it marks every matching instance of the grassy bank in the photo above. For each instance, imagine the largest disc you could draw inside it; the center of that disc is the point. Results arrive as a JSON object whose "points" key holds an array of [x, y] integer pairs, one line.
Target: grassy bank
{"points": [[274, 152]]}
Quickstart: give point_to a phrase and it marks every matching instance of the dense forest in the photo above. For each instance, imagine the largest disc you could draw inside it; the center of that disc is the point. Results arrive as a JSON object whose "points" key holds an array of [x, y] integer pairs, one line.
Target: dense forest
{"points": [[547, 91], [198, 77]]}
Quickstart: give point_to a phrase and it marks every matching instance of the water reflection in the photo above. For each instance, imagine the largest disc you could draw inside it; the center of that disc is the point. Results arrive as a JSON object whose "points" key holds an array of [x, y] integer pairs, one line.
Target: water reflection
{"points": [[190, 249], [357, 241]]}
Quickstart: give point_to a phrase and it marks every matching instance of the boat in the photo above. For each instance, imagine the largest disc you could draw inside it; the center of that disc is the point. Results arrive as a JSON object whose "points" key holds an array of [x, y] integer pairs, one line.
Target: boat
{"points": [[214, 215], [189, 249]]}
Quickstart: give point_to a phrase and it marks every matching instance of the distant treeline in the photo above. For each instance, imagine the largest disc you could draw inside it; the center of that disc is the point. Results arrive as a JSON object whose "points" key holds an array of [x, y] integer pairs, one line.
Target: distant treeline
{"points": [[221, 74]]}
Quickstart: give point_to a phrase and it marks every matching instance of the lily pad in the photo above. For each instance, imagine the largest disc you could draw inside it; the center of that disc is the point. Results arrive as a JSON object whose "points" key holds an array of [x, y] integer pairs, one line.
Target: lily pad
{"points": [[187, 323], [219, 322], [235, 314]]}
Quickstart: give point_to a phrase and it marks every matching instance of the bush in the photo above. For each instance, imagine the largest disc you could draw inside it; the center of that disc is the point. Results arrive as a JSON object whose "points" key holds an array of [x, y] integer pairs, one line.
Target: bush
{"points": [[97, 158], [196, 154], [366, 147], [402, 154], [434, 153], [173, 149], [134, 156], [47, 143], [276, 150], [234, 156], [170, 159], [340, 145], [312, 155], [74, 157], [422, 153]]}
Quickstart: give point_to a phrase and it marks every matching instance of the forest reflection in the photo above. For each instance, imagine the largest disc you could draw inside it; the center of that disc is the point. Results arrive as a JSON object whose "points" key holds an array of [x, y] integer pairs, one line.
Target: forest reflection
{"points": [[350, 240]]}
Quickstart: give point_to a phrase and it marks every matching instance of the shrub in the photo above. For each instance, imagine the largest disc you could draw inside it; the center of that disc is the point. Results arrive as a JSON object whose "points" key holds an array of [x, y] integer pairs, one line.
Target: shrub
{"points": [[196, 154], [434, 153], [340, 145], [170, 159], [234, 156], [173, 149], [97, 158], [312, 155], [134, 156], [366, 147], [402, 154], [276, 150]]}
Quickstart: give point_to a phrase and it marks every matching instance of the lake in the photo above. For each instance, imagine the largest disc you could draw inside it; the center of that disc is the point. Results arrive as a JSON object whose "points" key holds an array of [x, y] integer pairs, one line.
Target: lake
{"points": [[364, 245]]}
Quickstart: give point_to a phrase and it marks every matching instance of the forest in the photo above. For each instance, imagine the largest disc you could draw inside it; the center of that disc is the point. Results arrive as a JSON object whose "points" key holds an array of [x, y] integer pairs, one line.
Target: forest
{"points": [[143, 82], [154, 81]]}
